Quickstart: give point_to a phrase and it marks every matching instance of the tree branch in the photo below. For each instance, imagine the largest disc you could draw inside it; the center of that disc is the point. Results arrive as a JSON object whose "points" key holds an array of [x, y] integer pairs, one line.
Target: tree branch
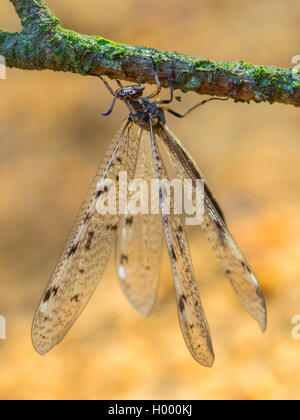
{"points": [[34, 14], [44, 44]]}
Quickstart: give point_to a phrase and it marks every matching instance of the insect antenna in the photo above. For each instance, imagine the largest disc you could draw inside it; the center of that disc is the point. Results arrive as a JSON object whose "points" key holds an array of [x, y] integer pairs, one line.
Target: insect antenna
{"points": [[111, 108], [112, 92]]}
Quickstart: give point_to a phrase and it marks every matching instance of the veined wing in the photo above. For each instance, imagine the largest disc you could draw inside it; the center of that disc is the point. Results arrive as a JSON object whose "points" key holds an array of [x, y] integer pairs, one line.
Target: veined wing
{"points": [[192, 318], [139, 244], [230, 257], [84, 258]]}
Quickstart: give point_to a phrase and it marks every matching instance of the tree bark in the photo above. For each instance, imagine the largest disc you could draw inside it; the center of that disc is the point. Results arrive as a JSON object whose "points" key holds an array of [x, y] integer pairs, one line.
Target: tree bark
{"points": [[44, 45]]}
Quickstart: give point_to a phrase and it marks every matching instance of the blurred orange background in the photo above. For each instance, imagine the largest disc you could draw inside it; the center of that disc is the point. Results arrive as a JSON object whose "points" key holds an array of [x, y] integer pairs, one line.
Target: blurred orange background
{"points": [[52, 139]]}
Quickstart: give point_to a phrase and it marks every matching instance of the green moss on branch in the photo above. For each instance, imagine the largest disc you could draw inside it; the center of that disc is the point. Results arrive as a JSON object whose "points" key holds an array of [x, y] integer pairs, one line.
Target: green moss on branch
{"points": [[44, 44]]}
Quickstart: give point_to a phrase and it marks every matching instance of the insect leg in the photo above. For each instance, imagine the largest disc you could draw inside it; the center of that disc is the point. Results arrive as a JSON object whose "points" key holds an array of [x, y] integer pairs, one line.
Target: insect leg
{"points": [[178, 115], [107, 85], [158, 89], [168, 101]]}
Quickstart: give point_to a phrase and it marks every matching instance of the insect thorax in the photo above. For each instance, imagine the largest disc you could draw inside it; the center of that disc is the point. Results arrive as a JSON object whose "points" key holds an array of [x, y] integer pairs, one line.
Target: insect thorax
{"points": [[144, 111]]}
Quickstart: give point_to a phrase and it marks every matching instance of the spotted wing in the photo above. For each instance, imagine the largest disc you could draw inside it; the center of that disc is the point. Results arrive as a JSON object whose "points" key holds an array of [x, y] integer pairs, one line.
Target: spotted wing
{"points": [[191, 314], [230, 257], [139, 244], [84, 258]]}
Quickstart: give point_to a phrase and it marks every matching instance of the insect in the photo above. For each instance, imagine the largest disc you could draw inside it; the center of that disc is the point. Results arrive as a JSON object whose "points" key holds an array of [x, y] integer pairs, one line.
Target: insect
{"points": [[139, 237]]}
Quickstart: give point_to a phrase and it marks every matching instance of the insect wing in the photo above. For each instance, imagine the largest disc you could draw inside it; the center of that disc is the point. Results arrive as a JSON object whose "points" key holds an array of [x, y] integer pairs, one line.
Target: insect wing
{"points": [[230, 257], [191, 314], [139, 244], [84, 258]]}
